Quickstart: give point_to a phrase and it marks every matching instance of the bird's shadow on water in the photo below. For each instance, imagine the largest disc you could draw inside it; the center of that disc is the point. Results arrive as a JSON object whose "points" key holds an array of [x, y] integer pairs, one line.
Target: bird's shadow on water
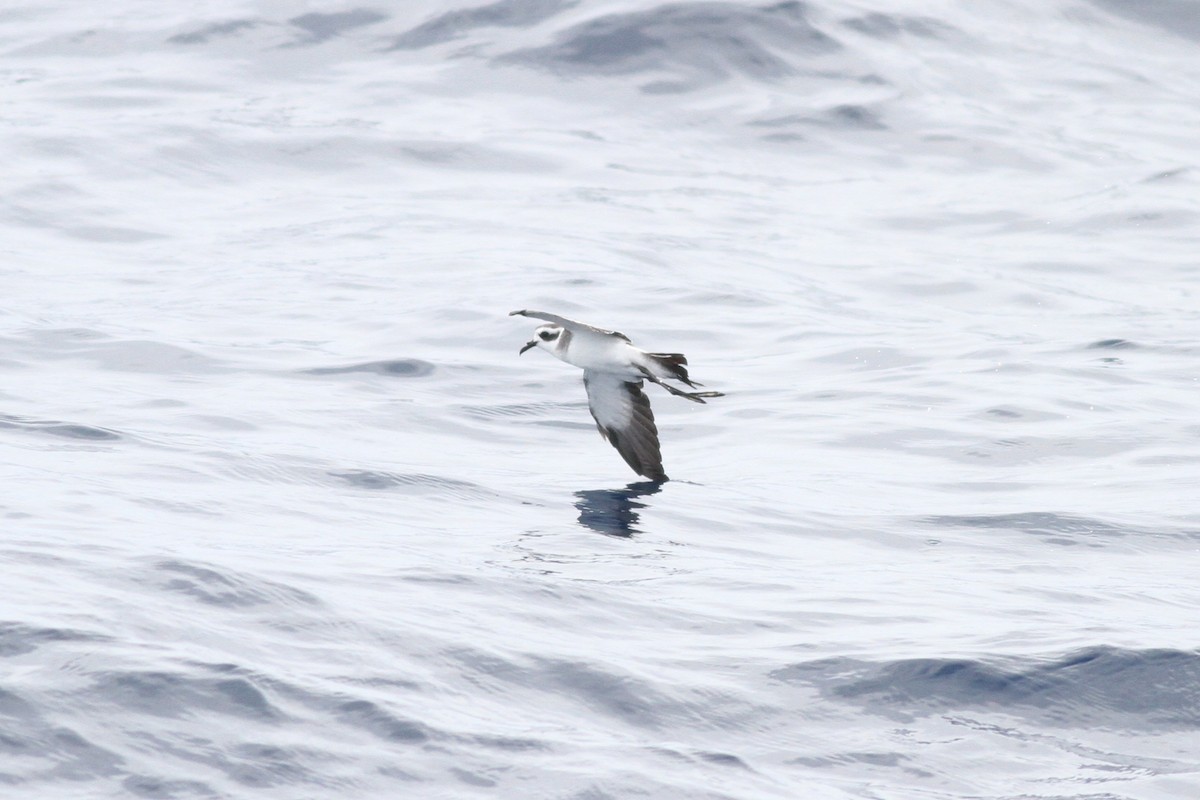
{"points": [[613, 512]]}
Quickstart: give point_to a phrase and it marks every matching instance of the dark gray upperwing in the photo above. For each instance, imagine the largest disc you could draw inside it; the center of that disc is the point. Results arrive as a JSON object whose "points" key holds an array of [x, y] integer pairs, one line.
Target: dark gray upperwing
{"points": [[622, 413], [569, 324]]}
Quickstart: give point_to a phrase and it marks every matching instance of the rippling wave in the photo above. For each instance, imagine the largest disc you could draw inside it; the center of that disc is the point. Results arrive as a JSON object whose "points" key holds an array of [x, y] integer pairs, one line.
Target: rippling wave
{"points": [[285, 515]]}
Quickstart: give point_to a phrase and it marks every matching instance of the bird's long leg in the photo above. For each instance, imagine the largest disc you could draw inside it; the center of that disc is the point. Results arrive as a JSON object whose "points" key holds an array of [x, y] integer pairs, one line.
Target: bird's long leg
{"points": [[695, 397]]}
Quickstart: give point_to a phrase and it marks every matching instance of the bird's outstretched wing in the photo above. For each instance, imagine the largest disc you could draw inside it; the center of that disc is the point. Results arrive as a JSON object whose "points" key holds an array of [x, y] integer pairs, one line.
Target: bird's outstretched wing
{"points": [[569, 324], [622, 413]]}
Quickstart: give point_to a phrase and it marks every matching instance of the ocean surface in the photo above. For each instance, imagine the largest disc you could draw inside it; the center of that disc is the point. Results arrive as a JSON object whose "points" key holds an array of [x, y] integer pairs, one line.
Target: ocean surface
{"points": [[284, 515]]}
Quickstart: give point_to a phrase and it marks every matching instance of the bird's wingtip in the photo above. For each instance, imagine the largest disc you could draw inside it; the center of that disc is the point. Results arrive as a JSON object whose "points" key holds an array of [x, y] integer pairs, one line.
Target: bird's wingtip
{"points": [[517, 313]]}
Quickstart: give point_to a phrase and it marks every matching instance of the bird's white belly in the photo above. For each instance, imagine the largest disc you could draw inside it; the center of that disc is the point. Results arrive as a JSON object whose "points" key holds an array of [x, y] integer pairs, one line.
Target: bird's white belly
{"points": [[603, 355]]}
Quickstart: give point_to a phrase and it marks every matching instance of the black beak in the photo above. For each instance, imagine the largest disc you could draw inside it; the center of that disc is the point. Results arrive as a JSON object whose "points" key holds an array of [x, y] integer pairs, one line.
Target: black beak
{"points": [[527, 346]]}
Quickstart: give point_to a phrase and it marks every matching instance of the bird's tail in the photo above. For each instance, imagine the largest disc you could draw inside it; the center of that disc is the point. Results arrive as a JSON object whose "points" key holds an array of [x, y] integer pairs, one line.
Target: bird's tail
{"points": [[672, 365]]}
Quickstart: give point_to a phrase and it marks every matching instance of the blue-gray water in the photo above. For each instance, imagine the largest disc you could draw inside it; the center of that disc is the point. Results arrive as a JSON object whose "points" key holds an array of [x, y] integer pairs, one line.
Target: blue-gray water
{"points": [[285, 516]]}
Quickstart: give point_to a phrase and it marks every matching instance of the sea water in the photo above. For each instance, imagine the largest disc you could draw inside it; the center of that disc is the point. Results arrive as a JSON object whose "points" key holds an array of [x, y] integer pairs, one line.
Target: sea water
{"points": [[284, 515]]}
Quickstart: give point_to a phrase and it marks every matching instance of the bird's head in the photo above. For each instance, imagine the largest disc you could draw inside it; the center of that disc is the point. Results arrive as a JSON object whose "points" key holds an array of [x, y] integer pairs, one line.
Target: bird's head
{"points": [[545, 337]]}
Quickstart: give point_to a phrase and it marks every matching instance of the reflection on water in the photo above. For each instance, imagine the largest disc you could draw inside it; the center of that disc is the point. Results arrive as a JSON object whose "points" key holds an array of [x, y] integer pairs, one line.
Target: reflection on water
{"points": [[612, 511]]}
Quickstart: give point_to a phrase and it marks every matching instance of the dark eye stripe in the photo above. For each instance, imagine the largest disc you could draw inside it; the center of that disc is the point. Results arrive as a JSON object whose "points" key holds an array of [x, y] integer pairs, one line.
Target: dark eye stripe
{"points": [[546, 336]]}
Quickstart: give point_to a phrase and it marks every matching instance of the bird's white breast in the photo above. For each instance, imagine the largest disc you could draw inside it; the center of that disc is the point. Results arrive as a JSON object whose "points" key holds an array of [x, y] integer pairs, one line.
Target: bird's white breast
{"points": [[602, 354]]}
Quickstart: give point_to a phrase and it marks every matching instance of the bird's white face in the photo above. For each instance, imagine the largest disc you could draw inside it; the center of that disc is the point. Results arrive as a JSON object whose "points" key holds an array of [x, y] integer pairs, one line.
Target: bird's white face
{"points": [[545, 337]]}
